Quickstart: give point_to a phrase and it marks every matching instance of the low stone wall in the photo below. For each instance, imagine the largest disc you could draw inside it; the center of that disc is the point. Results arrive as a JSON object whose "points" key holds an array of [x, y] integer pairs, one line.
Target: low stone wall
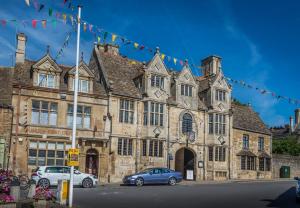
{"points": [[285, 160]]}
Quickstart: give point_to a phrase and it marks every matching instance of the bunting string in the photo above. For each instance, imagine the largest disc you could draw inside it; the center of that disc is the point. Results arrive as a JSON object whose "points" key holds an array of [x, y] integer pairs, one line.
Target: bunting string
{"points": [[104, 36], [264, 91]]}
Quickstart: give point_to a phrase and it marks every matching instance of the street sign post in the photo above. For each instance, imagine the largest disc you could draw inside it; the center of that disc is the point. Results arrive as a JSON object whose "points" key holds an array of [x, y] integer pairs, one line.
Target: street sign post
{"points": [[75, 106]]}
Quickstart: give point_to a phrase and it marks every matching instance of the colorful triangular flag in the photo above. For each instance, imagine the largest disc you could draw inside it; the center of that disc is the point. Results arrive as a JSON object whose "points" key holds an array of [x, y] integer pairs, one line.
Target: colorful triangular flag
{"points": [[163, 56], [84, 27], [113, 37], [44, 23], [34, 23], [27, 2], [99, 39], [50, 11], [136, 45], [175, 60]]}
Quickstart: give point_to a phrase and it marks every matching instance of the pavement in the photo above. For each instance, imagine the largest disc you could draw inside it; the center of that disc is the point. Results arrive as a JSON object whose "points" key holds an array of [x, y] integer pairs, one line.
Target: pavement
{"points": [[205, 194]]}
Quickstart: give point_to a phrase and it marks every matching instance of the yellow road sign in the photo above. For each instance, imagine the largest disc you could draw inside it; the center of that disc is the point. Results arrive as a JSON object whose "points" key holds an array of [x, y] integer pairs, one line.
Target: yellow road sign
{"points": [[73, 157]]}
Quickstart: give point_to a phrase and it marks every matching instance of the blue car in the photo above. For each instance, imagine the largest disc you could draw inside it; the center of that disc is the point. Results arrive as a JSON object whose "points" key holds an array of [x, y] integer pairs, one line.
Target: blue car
{"points": [[154, 176]]}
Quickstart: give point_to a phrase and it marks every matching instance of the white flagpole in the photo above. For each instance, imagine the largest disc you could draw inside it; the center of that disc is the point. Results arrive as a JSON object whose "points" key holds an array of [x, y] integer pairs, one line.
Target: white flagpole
{"points": [[75, 107]]}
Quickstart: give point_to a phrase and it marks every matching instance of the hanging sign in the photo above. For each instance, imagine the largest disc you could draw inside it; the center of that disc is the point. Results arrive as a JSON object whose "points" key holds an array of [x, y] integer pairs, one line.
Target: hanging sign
{"points": [[73, 157]]}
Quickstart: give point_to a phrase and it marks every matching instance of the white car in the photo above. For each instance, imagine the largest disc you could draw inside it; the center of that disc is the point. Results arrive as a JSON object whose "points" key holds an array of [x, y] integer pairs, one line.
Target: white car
{"points": [[46, 176]]}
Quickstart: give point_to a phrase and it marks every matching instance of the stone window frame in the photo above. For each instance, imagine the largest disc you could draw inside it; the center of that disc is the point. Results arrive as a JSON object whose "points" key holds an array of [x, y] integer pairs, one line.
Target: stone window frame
{"points": [[217, 123], [126, 108], [84, 114], [246, 139], [187, 123], [46, 74], [36, 152], [186, 90], [156, 114], [157, 81], [264, 164], [80, 81], [153, 148], [261, 143], [220, 153], [51, 110], [220, 95], [248, 162], [210, 153], [125, 146]]}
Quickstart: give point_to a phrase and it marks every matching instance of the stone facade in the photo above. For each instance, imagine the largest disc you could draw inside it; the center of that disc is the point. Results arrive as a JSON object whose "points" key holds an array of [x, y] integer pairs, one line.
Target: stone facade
{"points": [[251, 147], [132, 116], [293, 162]]}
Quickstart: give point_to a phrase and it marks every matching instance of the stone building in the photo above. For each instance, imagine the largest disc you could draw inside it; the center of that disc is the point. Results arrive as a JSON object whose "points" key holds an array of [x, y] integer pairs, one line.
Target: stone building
{"points": [[251, 145], [6, 111], [131, 116], [42, 97]]}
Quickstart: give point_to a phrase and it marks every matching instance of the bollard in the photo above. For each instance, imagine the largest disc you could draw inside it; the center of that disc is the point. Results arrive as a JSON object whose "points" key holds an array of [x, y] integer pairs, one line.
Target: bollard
{"points": [[62, 192], [15, 189], [32, 186]]}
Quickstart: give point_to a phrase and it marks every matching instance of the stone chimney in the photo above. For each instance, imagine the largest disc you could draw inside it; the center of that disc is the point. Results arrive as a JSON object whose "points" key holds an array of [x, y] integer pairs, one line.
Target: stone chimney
{"points": [[297, 116], [21, 46], [112, 49], [291, 125], [211, 65]]}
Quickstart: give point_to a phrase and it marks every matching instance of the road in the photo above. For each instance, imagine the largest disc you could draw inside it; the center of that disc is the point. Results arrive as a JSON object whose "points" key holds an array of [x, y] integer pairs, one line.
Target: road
{"points": [[190, 195]]}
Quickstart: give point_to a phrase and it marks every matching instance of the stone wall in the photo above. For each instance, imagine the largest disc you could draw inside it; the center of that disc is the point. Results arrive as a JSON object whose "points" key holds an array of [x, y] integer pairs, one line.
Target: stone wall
{"points": [[286, 160]]}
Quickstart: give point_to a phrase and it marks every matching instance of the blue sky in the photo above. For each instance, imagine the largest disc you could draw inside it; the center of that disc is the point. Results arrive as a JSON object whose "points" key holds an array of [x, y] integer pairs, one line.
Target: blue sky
{"points": [[257, 40]]}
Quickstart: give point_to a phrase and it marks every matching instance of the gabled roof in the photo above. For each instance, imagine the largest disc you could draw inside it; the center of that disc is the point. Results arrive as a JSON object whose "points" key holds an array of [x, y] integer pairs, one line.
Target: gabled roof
{"points": [[23, 76], [119, 73], [244, 118]]}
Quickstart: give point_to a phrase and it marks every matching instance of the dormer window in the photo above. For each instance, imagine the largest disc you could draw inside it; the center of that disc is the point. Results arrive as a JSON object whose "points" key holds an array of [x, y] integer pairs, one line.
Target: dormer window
{"points": [[157, 81], [220, 95], [83, 85], [46, 80], [186, 90]]}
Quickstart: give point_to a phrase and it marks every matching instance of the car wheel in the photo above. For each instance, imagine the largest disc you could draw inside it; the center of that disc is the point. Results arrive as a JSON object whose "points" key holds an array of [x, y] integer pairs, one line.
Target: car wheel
{"points": [[44, 183], [87, 183], [172, 181], [139, 182]]}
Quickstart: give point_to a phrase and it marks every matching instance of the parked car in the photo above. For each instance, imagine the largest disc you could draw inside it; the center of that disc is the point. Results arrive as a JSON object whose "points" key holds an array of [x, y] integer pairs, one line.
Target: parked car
{"points": [[297, 188], [154, 176], [46, 176]]}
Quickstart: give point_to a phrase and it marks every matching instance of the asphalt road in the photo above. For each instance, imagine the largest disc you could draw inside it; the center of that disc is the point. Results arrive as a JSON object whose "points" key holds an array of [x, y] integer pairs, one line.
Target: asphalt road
{"points": [[233, 195]]}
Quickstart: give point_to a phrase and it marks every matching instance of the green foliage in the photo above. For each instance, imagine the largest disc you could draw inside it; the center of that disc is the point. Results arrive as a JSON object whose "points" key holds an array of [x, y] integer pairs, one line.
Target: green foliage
{"points": [[288, 145], [237, 102]]}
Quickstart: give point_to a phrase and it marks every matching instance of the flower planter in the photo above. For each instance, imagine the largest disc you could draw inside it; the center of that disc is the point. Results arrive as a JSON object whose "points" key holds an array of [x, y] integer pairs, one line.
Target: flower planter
{"points": [[40, 203], [8, 205]]}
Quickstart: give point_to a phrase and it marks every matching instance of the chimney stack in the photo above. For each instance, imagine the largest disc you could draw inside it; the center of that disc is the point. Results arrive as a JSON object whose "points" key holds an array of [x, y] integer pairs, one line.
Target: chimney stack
{"points": [[211, 65], [21, 46], [291, 124], [297, 116]]}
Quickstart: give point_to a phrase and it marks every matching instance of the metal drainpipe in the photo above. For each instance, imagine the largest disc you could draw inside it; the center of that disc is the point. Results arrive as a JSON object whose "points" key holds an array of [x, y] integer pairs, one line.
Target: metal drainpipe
{"points": [[110, 137], [229, 149], [10, 137], [204, 149], [17, 128], [136, 139], [168, 139]]}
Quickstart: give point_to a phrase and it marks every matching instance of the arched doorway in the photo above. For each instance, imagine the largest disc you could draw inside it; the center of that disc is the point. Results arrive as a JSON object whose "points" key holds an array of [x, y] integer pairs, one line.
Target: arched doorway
{"points": [[185, 160], [91, 162]]}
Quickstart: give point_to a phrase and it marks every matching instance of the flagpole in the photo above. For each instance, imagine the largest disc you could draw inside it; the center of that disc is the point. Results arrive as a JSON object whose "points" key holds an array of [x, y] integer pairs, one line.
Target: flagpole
{"points": [[75, 108]]}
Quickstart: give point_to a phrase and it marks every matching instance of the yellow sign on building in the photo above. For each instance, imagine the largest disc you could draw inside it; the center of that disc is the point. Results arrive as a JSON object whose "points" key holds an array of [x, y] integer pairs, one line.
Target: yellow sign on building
{"points": [[73, 157]]}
